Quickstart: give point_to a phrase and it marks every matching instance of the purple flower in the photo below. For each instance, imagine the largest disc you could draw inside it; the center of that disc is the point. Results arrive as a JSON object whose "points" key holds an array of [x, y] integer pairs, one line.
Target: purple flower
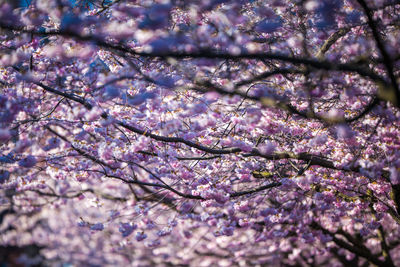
{"points": [[4, 176], [344, 132], [52, 143], [28, 162], [364, 231], [186, 207], [228, 231], [267, 149], [319, 140], [82, 224], [97, 227], [140, 236], [394, 175], [22, 145], [94, 114], [154, 243], [164, 232], [138, 99], [243, 146], [268, 211], [126, 229], [7, 158], [374, 225], [7, 116], [187, 234], [81, 135], [221, 197], [149, 223]]}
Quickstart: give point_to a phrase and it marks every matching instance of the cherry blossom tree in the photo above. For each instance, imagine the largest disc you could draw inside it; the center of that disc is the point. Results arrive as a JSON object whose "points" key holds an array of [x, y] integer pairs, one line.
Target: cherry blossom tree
{"points": [[200, 133]]}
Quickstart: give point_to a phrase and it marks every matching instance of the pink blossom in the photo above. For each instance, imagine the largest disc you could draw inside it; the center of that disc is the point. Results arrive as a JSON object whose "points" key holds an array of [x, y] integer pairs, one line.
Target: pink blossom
{"points": [[267, 149]]}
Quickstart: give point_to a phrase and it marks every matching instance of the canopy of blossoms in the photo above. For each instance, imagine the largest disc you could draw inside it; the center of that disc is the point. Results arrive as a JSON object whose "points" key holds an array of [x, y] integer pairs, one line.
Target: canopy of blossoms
{"points": [[200, 133]]}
